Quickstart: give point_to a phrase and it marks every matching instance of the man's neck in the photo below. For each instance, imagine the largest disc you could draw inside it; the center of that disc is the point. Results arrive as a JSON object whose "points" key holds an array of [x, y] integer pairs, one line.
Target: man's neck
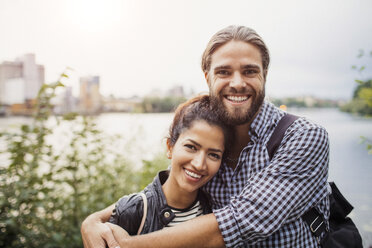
{"points": [[242, 138], [242, 135]]}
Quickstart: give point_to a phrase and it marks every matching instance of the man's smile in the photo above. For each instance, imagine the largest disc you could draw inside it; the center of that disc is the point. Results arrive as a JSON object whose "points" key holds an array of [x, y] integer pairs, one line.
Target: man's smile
{"points": [[237, 98]]}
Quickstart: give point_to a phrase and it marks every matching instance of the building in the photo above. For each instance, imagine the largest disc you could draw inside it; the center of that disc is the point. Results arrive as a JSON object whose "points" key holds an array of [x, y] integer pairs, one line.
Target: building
{"points": [[90, 98], [176, 91], [113, 104], [20, 80], [65, 102]]}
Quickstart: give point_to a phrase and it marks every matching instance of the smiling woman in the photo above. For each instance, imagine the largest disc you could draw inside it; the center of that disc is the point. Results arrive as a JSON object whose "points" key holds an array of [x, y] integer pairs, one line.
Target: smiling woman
{"points": [[195, 146], [95, 15]]}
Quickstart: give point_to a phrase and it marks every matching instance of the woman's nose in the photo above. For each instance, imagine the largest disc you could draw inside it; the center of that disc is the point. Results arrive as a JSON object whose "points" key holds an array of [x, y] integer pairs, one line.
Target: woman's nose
{"points": [[198, 161]]}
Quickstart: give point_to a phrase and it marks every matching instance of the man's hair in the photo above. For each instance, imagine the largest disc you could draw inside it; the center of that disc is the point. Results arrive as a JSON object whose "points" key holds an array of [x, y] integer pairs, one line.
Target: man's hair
{"points": [[236, 33]]}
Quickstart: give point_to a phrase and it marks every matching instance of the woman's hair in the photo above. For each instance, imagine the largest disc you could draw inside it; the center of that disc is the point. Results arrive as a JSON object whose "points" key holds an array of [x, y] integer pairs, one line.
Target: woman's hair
{"points": [[195, 109]]}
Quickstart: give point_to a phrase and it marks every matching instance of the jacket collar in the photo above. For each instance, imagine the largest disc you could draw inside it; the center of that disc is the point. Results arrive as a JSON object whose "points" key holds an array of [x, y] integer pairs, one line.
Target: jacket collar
{"points": [[165, 213]]}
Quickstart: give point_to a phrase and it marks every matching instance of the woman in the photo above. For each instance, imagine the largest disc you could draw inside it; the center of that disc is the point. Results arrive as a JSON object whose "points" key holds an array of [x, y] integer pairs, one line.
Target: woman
{"points": [[196, 144]]}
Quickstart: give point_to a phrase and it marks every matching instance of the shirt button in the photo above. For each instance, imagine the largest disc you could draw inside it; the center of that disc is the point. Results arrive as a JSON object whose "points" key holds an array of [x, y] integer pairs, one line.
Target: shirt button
{"points": [[166, 214]]}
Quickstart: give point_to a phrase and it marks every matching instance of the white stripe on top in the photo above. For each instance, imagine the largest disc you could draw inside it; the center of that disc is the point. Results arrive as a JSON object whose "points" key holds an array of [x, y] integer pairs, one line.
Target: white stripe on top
{"points": [[185, 215]]}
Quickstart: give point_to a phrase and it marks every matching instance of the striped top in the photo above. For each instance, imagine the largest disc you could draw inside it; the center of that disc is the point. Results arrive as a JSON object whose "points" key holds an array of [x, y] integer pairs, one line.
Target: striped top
{"points": [[183, 215]]}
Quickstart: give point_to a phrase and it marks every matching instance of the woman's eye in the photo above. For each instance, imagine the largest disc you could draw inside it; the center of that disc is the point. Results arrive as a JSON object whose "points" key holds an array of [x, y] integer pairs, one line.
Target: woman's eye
{"points": [[191, 147], [215, 156]]}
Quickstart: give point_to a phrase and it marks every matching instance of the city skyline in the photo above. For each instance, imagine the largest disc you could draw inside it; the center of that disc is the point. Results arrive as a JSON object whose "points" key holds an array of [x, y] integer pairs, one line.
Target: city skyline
{"points": [[136, 46]]}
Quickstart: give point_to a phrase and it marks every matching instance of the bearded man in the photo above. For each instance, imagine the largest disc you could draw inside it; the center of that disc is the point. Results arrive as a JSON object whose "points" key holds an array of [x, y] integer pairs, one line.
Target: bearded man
{"points": [[258, 201]]}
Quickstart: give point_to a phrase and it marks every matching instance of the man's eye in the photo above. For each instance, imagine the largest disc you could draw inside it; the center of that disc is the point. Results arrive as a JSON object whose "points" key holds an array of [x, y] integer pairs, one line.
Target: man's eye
{"points": [[249, 72], [223, 72]]}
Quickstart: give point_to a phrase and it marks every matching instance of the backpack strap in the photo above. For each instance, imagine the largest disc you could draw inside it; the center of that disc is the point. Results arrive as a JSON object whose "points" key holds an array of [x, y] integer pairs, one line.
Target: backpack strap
{"points": [[144, 198], [315, 221], [312, 217], [278, 134]]}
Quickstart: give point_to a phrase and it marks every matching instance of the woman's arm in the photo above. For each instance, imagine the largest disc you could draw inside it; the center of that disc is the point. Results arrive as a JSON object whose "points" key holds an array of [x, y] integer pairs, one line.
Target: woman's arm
{"points": [[95, 233]]}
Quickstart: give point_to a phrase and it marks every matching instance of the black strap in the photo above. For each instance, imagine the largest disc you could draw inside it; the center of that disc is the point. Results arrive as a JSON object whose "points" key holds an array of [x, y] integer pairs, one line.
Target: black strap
{"points": [[312, 217], [278, 134], [315, 221]]}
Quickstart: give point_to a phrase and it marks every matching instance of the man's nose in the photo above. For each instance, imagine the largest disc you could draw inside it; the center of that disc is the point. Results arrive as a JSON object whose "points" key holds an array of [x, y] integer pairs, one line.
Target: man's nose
{"points": [[198, 162], [237, 81]]}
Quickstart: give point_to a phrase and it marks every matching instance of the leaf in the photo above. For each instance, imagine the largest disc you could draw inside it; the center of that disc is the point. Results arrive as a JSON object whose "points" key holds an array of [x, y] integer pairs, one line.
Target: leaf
{"points": [[25, 128], [59, 84], [64, 75], [359, 81], [361, 53]]}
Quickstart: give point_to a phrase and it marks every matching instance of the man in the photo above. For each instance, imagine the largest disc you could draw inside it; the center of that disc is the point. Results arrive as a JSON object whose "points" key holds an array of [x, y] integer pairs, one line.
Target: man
{"points": [[257, 202]]}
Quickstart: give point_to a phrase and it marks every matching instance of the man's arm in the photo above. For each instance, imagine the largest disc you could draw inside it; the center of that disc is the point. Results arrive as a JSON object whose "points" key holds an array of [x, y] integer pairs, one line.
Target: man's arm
{"points": [[280, 193], [202, 231], [94, 232]]}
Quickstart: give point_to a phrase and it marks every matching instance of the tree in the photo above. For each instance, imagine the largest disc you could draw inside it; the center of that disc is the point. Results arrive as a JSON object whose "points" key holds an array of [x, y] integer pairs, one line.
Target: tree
{"points": [[46, 192], [362, 98]]}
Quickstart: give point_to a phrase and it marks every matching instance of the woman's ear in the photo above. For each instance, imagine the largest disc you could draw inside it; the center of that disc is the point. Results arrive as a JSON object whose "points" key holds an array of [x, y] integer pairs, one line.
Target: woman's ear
{"points": [[169, 149]]}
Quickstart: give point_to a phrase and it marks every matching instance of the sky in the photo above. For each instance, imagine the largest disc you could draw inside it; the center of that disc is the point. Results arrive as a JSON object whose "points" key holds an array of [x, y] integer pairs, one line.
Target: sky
{"points": [[139, 45]]}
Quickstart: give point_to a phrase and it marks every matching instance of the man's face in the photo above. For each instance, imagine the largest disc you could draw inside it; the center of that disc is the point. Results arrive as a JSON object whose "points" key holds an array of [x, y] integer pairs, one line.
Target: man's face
{"points": [[236, 82]]}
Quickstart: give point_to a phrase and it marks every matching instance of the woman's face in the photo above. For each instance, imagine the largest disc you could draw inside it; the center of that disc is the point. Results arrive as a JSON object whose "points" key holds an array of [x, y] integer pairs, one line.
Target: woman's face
{"points": [[196, 156]]}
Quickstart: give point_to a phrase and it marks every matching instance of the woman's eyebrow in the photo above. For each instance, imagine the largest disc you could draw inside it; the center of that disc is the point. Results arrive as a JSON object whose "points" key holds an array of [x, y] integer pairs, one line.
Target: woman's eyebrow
{"points": [[215, 150], [194, 142], [210, 149]]}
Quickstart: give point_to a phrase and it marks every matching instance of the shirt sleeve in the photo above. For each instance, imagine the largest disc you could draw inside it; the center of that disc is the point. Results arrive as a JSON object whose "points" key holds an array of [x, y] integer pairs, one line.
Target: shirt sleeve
{"points": [[127, 213], [293, 181]]}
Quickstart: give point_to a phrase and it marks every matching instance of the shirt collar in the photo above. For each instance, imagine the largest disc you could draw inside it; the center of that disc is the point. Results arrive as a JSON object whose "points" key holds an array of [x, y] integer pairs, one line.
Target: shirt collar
{"points": [[266, 119]]}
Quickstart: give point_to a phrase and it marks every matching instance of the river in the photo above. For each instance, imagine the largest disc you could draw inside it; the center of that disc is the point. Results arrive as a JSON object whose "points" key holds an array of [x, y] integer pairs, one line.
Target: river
{"points": [[350, 164]]}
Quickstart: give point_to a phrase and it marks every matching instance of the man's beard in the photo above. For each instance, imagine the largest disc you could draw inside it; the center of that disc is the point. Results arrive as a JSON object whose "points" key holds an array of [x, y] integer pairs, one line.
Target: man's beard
{"points": [[238, 116]]}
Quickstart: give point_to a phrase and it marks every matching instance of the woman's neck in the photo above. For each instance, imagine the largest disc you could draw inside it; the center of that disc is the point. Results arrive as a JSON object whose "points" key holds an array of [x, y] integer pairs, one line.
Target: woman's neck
{"points": [[176, 197]]}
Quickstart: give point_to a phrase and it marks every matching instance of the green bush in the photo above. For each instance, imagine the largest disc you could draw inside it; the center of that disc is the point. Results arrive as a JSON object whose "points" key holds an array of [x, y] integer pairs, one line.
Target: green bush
{"points": [[46, 192]]}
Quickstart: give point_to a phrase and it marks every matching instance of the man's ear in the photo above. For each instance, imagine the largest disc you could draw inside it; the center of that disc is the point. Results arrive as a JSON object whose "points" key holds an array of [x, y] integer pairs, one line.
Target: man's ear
{"points": [[206, 78], [169, 149]]}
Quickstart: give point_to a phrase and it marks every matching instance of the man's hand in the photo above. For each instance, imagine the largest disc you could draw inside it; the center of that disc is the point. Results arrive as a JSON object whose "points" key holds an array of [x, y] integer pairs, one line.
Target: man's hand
{"points": [[119, 233], [95, 233]]}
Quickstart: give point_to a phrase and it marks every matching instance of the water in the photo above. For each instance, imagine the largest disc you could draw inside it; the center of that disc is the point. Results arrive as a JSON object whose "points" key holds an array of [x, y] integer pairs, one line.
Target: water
{"points": [[350, 165]]}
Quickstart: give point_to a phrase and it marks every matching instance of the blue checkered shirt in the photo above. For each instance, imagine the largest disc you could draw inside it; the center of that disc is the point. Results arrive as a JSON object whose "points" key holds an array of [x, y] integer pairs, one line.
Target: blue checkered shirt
{"points": [[260, 203]]}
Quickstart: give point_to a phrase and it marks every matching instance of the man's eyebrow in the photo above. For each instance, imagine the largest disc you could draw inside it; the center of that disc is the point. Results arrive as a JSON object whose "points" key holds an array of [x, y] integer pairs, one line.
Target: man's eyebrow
{"points": [[222, 67], [210, 149], [251, 66]]}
